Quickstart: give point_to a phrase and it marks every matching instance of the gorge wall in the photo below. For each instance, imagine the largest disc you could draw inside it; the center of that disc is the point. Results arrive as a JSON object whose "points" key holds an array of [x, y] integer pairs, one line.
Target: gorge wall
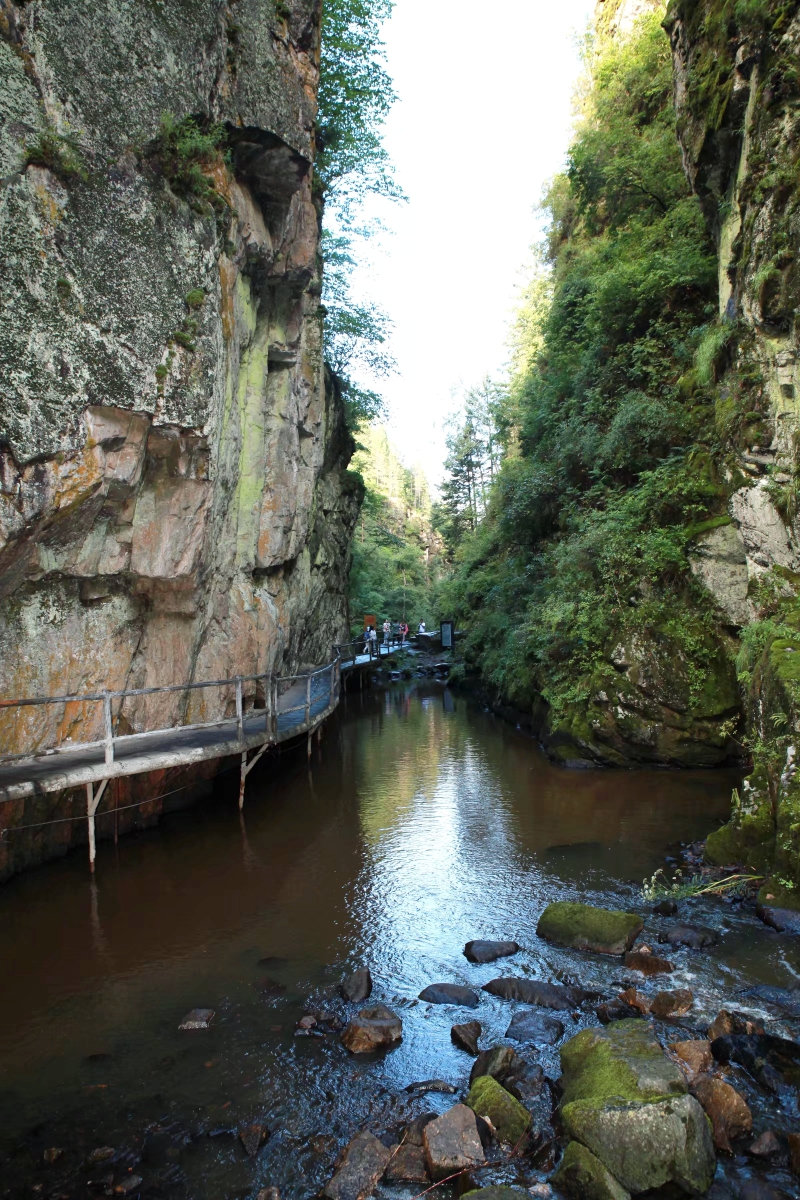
{"points": [[174, 499]]}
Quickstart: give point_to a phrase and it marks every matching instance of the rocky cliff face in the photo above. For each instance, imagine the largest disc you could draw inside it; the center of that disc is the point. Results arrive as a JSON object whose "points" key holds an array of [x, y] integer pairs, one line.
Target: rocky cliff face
{"points": [[174, 501], [737, 91]]}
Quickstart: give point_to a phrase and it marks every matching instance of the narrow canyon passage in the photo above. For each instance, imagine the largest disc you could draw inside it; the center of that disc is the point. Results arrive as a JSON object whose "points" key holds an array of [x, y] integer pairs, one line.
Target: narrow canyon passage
{"points": [[424, 822]]}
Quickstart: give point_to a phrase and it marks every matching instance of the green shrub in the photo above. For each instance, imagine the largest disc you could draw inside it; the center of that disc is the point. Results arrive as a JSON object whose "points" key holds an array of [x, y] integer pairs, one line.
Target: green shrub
{"points": [[185, 150], [59, 152]]}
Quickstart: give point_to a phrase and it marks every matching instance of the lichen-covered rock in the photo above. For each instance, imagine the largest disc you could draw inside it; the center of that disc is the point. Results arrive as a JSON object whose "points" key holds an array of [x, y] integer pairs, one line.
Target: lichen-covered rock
{"points": [[488, 1098], [622, 1060], [584, 927], [360, 1166], [646, 1145], [174, 503], [452, 1143], [582, 1176]]}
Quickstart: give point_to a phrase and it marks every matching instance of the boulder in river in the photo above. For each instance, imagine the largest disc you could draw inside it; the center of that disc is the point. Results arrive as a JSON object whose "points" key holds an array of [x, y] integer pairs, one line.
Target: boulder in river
{"points": [[615, 1010], [665, 908], [727, 1110], [543, 995], [773, 1061], [358, 1168], [253, 1137], [765, 1146], [726, 1023], [198, 1018], [452, 1142], [372, 1029], [785, 920], [696, 937], [499, 1062], [466, 1036], [671, 1004], [489, 1099], [582, 1176], [408, 1165], [626, 1101], [584, 927], [486, 952], [531, 1026], [647, 963], [694, 1056], [449, 993], [357, 987]]}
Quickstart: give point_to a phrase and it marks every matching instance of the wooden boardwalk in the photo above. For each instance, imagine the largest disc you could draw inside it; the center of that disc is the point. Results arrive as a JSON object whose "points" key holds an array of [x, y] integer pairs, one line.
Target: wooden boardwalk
{"points": [[292, 706]]}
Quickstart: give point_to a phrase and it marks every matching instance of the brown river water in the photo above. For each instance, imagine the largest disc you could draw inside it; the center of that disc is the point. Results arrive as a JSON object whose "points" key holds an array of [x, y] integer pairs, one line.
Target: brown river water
{"points": [[422, 823]]}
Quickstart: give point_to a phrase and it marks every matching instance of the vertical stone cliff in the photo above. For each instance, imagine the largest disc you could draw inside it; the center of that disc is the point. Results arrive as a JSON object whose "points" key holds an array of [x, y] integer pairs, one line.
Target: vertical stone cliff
{"points": [[737, 92], [174, 500]]}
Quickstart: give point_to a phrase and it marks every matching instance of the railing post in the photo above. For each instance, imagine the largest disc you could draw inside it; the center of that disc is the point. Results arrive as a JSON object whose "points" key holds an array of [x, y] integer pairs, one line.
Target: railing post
{"points": [[274, 686], [109, 728], [239, 709]]}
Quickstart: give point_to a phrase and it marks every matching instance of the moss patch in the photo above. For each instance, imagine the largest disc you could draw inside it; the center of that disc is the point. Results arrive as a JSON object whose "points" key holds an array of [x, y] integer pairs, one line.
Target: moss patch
{"points": [[488, 1098], [622, 1061], [582, 1176]]}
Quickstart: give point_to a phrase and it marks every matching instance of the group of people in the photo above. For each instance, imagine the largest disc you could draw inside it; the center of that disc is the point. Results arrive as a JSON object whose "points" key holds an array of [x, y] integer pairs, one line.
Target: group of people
{"points": [[371, 634]]}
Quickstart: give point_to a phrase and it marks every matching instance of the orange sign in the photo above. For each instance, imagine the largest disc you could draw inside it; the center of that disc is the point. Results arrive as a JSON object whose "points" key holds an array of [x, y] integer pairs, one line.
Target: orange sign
{"points": [[370, 621]]}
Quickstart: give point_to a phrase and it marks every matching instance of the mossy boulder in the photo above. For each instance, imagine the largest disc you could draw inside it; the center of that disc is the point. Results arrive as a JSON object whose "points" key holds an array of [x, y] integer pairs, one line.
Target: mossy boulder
{"points": [[620, 1061], [582, 1176], [583, 927], [488, 1098], [647, 1144]]}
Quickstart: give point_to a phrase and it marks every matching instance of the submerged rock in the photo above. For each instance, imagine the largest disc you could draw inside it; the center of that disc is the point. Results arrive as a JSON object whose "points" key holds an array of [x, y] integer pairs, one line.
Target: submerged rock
{"points": [[358, 986], [543, 995], [785, 920], [665, 908], [582, 1176], [486, 952], [449, 993], [786, 999], [696, 937], [452, 1143], [647, 964], [727, 1110], [616, 1010], [584, 927], [358, 1169], [466, 1036], [198, 1018], [671, 1004], [372, 1029], [252, 1138], [765, 1146], [531, 1026], [489, 1099], [773, 1061]]}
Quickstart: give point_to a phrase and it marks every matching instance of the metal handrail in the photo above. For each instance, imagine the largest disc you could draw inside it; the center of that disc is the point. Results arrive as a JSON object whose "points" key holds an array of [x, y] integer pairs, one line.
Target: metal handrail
{"points": [[271, 709]]}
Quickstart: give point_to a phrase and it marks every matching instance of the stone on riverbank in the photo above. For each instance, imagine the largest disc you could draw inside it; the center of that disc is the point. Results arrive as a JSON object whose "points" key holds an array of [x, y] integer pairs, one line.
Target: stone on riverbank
{"points": [[449, 993], [671, 1004], [726, 1023], [466, 1036], [358, 1168], [408, 1165], [499, 1062], [486, 952], [584, 927], [452, 1142], [252, 1138], [488, 1098], [582, 1176], [785, 920], [542, 995], [531, 1026], [696, 937], [728, 1112], [647, 963], [372, 1029], [357, 987], [646, 1145]]}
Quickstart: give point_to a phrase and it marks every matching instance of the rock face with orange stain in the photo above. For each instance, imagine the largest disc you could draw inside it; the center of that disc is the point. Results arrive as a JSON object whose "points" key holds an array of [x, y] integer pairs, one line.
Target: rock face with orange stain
{"points": [[174, 499]]}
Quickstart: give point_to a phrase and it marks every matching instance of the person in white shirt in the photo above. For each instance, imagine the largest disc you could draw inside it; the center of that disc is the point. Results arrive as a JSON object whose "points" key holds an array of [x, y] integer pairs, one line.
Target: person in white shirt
{"points": [[421, 627]]}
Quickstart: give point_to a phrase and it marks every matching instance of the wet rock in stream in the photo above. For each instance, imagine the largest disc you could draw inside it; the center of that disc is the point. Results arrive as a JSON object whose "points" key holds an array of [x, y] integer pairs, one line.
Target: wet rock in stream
{"points": [[449, 993], [773, 1061], [728, 1112], [499, 1062], [253, 1137], [531, 1026], [198, 1018], [452, 1142], [785, 920], [542, 995], [585, 927], [766, 1145], [726, 1023], [582, 1176], [694, 1057], [466, 1036], [357, 987], [358, 1169], [486, 952], [665, 908], [787, 1000], [674, 1003], [509, 1118], [695, 937], [372, 1029], [647, 963]]}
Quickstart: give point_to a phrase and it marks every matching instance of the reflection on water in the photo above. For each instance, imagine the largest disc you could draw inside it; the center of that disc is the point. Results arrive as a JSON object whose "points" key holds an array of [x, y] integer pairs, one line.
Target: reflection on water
{"points": [[422, 824]]}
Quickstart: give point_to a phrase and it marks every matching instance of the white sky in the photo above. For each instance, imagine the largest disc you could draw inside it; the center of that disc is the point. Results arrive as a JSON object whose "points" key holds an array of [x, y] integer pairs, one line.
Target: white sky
{"points": [[482, 123]]}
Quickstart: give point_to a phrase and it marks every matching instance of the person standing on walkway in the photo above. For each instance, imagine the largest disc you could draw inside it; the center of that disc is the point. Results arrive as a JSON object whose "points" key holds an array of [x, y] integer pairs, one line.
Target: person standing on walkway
{"points": [[403, 633], [421, 627], [387, 632], [368, 635]]}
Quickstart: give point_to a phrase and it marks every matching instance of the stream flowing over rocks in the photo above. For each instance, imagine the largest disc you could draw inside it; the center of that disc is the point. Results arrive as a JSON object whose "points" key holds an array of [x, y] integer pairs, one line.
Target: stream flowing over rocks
{"points": [[308, 1061]]}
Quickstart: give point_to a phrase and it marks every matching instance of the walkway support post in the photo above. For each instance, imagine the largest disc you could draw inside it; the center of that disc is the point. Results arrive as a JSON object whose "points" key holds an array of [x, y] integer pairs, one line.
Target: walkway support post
{"points": [[92, 802], [239, 708]]}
